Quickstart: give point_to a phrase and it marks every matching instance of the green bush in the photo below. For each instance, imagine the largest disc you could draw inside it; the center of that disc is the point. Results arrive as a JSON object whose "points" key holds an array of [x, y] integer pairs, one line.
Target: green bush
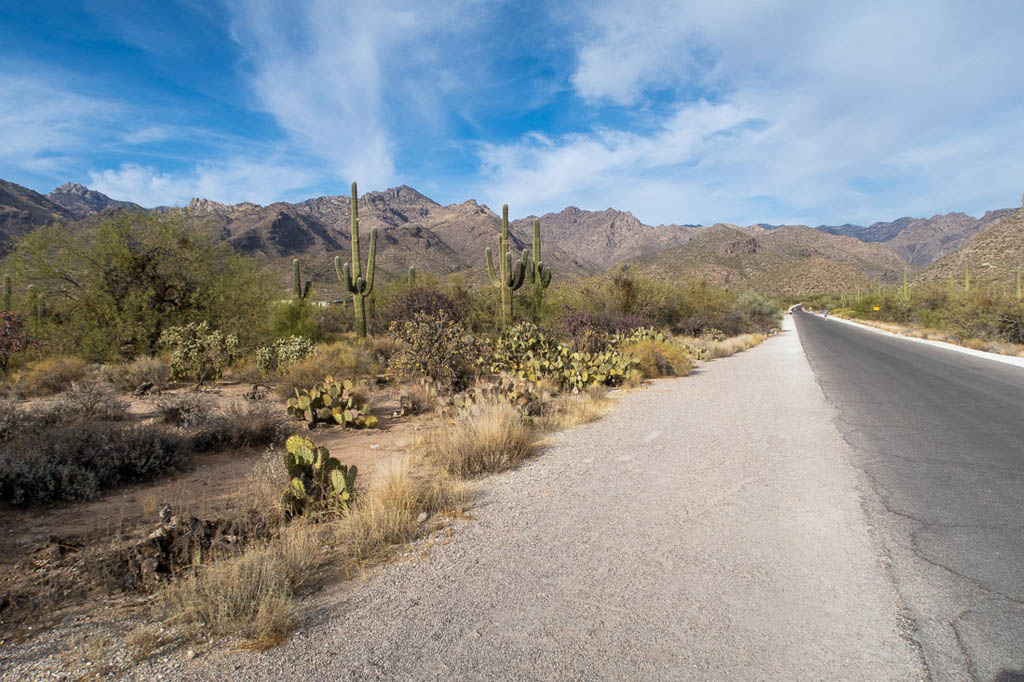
{"points": [[199, 352], [659, 358], [114, 285]]}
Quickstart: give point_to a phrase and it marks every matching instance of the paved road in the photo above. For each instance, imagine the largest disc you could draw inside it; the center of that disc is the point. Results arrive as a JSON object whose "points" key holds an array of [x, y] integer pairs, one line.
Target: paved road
{"points": [[708, 528], [940, 435]]}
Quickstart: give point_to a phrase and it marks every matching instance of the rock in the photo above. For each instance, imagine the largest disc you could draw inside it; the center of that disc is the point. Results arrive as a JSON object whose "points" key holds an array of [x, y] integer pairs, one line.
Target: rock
{"points": [[190, 654], [422, 517]]}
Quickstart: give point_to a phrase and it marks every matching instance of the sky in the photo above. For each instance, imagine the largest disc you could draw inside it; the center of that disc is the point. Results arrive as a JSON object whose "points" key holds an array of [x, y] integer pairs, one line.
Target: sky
{"points": [[696, 111]]}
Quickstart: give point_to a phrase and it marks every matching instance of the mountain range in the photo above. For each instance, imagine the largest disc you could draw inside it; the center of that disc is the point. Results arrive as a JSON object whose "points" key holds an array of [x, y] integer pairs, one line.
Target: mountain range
{"points": [[416, 231]]}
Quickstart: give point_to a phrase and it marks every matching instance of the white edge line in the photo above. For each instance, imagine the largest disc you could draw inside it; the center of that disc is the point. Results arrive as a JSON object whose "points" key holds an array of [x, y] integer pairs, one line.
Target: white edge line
{"points": [[997, 357]]}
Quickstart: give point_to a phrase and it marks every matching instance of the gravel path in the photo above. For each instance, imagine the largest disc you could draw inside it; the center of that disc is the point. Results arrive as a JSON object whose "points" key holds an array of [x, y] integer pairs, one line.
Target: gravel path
{"points": [[708, 528]]}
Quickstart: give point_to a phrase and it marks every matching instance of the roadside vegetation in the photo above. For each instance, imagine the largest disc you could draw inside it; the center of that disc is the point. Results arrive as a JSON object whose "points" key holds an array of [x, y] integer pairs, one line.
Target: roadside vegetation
{"points": [[983, 317], [139, 348]]}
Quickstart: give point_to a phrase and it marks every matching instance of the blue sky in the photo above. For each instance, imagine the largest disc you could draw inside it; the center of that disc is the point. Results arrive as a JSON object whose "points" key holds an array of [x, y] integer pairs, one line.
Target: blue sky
{"points": [[690, 112]]}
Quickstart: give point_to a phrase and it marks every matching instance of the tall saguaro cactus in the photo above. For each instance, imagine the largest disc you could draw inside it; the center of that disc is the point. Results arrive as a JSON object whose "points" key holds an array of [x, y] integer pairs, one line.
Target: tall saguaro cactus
{"points": [[359, 286], [7, 291], [301, 292], [538, 273], [412, 276], [506, 279], [906, 286], [1020, 292]]}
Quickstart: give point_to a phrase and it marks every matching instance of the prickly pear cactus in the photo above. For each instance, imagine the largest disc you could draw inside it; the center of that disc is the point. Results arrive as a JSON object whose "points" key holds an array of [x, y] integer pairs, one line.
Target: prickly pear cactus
{"points": [[317, 481], [331, 402]]}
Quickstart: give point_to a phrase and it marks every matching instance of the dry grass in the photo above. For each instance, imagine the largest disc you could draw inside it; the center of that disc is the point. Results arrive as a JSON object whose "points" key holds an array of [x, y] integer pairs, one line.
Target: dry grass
{"points": [[342, 359], [732, 345], [568, 410], [487, 438], [659, 358], [52, 375], [248, 596], [388, 512], [130, 375]]}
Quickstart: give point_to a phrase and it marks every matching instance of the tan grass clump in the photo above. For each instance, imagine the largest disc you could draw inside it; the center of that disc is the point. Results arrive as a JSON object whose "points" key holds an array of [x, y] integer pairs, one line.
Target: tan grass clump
{"points": [[487, 438], [569, 410], [389, 511], [128, 376], [53, 375], [659, 358], [733, 345], [248, 596]]}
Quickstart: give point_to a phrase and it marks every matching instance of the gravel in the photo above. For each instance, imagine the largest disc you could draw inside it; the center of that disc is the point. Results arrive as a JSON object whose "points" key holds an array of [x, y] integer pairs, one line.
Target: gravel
{"points": [[708, 527]]}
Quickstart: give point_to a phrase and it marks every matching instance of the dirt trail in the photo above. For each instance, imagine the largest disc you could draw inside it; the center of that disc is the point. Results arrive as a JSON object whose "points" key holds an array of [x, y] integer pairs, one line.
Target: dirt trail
{"points": [[707, 528]]}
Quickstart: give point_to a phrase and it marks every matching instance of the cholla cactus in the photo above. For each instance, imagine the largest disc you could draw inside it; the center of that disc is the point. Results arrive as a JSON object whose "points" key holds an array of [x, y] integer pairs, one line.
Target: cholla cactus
{"points": [[507, 279], [359, 286]]}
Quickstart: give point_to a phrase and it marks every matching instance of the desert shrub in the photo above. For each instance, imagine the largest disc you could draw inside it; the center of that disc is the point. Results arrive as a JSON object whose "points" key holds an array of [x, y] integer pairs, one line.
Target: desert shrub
{"points": [[86, 401], [127, 376], [760, 312], [282, 353], [239, 424], [580, 328], [659, 358], [421, 299], [436, 347], [189, 410], [78, 462], [53, 375], [488, 437], [417, 399], [199, 352], [13, 338], [12, 420]]}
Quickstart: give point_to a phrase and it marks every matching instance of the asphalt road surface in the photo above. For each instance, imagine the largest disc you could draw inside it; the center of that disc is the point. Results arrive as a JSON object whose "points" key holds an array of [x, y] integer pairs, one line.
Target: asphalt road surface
{"points": [[940, 436], [707, 528]]}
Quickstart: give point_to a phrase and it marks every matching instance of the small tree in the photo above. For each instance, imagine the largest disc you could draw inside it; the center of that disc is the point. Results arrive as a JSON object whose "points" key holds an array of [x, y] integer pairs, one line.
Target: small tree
{"points": [[13, 338], [199, 352]]}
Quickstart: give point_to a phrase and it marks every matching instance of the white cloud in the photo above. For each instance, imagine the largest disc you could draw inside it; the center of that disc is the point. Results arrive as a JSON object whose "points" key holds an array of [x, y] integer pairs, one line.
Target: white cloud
{"points": [[820, 111], [230, 182]]}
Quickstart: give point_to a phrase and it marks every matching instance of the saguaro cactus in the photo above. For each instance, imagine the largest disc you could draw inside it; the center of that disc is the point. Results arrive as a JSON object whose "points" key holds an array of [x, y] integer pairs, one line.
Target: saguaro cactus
{"points": [[1020, 292], [359, 286], [7, 292], [507, 279], [412, 276], [301, 292], [906, 286], [538, 273]]}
